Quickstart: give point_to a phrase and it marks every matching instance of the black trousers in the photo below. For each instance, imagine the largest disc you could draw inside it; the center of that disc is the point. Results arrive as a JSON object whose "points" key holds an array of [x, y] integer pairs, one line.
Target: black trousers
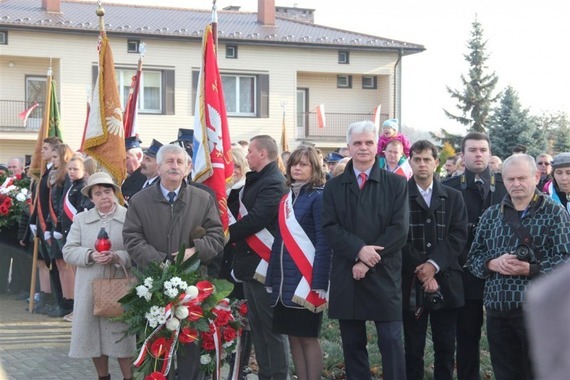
{"points": [[353, 334], [469, 324], [508, 344], [443, 325]]}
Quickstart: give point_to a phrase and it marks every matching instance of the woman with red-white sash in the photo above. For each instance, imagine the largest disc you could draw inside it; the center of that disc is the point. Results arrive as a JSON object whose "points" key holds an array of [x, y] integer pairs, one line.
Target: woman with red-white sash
{"points": [[298, 272]]}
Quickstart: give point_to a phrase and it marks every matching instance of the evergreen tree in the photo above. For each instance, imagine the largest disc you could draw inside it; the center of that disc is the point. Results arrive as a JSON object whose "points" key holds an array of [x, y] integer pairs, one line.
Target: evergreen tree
{"points": [[445, 137], [556, 127], [511, 125], [476, 99]]}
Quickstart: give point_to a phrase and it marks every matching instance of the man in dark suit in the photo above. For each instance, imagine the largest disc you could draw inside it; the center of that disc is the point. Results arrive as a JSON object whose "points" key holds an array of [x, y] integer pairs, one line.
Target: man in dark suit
{"points": [[135, 180], [365, 220], [480, 188], [438, 233]]}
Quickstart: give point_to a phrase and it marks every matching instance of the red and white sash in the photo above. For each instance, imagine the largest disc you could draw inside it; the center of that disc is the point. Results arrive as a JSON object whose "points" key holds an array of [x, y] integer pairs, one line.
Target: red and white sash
{"points": [[68, 208], [260, 242], [302, 250]]}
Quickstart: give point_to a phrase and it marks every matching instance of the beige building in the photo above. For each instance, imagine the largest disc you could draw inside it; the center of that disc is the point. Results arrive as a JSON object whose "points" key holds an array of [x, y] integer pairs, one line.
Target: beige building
{"points": [[274, 63]]}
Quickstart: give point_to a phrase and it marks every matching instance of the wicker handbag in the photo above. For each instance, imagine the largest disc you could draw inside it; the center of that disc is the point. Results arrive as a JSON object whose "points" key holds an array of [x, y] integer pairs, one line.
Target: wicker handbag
{"points": [[107, 292]]}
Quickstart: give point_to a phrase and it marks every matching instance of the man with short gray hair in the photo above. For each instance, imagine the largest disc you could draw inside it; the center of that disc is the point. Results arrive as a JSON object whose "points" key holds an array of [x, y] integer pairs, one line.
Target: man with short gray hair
{"points": [[365, 220], [524, 236], [165, 215], [16, 166]]}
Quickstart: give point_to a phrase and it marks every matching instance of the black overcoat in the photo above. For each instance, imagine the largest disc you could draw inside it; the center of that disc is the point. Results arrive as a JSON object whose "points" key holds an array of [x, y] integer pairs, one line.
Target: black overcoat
{"points": [[352, 218], [440, 238], [473, 286]]}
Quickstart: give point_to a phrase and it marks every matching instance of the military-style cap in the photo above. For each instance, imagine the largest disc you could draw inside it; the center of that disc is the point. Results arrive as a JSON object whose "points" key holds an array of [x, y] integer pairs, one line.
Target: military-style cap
{"points": [[333, 157], [152, 150], [132, 142]]}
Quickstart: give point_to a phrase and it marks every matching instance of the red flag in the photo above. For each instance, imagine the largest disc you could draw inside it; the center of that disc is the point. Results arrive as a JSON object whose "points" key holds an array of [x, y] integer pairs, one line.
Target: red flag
{"points": [[213, 164], [321, 119], [25, 114], [131, 110]]}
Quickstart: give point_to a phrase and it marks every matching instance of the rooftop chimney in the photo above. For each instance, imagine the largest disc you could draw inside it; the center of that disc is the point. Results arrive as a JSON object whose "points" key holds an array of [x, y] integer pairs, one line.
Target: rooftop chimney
{"points": [[51, 6], [266, 12]]}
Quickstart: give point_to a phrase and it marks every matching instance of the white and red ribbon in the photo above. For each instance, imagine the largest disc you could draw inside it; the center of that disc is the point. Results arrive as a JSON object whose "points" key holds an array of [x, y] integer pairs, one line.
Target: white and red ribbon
{"points": [[68, 207], [302, 251], [260, 242]]}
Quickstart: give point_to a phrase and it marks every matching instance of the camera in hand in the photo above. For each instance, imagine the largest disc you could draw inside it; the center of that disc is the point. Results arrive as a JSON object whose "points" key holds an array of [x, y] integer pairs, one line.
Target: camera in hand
{"points": [[420, 299], [525, 253]]}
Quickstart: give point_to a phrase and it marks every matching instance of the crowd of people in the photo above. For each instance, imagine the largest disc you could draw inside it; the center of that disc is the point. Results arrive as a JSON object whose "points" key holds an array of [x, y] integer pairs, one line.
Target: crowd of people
{"points": [[371, 232]]}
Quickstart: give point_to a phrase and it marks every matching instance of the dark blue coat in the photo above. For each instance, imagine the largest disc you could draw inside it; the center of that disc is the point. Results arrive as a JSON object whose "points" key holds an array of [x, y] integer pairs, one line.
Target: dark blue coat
{"points": [[283, 276]]}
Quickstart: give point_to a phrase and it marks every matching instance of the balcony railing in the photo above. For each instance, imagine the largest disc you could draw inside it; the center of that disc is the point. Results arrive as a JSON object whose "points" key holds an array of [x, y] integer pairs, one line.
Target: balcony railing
{"points": [[10, 111], [336, 124]]}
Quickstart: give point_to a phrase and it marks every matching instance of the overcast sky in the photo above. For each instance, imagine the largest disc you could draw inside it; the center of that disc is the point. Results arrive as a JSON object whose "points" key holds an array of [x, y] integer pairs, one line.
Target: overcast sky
{"points": [[527, 45]]}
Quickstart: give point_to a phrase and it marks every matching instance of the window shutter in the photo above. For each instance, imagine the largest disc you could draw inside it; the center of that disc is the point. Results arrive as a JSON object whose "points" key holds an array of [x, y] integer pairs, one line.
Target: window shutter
{"points": [[263, 96], [94, 72], [195, 77], [168, 92]]}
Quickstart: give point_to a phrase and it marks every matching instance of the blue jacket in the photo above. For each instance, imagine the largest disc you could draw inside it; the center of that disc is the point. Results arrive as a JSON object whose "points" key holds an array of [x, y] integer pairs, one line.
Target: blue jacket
{"points": [[283, 276]]}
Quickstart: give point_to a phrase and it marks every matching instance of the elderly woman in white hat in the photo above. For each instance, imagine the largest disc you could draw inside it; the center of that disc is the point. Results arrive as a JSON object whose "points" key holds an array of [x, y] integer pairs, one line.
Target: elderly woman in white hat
{"points": [[97, 337], [559, 187]]}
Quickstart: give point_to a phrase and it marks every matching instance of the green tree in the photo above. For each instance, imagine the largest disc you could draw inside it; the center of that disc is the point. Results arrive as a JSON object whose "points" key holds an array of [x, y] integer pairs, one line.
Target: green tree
{"points": [[556, 127], [476, 99], [511, 125], [444, 137]]}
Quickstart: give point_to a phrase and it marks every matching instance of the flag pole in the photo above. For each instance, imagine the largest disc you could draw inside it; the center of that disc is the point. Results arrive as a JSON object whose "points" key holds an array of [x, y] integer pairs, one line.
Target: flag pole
{"points": [[215, 25], [44, 130]]}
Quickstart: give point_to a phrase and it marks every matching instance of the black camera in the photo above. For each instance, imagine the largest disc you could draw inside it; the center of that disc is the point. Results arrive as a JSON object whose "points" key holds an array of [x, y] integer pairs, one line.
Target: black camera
{"points": [[433, 301], [420, 299], [525, 253]]}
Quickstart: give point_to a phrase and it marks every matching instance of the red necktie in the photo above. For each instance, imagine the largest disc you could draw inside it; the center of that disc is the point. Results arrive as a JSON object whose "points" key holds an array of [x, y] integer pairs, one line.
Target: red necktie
{"points": [[363, 177]]}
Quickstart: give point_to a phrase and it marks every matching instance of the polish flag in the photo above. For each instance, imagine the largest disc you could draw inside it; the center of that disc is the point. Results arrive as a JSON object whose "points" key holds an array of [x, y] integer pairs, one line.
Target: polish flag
{"points": [[321, 120]]}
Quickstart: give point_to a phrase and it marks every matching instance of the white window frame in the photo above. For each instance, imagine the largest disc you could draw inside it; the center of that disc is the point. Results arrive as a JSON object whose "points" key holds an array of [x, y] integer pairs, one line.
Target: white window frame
{"points": [[124, 80], [343, 57], [3, 37], [237, 95], [133, 44], [369, 82], [231, 51], [344, 81]]}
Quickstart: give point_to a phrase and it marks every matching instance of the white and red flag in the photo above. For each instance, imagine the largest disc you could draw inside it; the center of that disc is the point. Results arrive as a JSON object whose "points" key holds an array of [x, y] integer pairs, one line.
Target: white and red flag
{"points": [[321, 118], [25, 114], [376, 117], [213, 164], [131, 110]]}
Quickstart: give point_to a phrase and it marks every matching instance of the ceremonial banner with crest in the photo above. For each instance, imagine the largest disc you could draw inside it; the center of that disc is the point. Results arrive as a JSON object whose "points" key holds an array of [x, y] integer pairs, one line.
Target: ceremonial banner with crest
{"points": [[213, 164], [104, 135]]}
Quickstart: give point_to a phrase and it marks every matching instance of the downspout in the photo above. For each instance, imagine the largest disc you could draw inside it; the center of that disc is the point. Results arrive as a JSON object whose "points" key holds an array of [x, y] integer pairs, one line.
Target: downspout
{"points": [[398, 89]]}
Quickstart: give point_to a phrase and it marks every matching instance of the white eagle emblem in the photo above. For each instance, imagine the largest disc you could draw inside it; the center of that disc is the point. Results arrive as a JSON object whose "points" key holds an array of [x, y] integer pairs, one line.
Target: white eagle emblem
{"points": [[115, 123]]}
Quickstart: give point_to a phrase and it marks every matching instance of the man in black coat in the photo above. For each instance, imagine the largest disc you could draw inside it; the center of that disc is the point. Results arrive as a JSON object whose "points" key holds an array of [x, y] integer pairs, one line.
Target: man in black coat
{"points": [[253, 235], [438, 233], [480, 188], [365, 220], [135, 180]]}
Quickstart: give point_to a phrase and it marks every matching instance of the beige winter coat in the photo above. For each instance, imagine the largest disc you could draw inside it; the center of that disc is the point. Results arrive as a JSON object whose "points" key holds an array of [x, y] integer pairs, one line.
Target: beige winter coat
{"points": [[94, 336]]}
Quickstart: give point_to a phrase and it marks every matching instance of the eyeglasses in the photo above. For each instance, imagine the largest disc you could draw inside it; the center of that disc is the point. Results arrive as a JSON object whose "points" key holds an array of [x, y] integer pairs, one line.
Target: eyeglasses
{"points": [[543, 163]]}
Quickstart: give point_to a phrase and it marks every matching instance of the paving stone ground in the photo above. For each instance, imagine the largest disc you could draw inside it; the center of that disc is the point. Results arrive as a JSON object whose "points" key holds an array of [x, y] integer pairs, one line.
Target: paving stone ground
{"points": [[35, 346]]}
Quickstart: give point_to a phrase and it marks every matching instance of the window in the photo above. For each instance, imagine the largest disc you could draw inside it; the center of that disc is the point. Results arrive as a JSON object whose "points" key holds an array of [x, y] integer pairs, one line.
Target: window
{"points": [[239, 93], [246, 95], [343, 57], [156, 91], [231, 51], [133, 46], [344, 81], [369, 82], [3, 37]]}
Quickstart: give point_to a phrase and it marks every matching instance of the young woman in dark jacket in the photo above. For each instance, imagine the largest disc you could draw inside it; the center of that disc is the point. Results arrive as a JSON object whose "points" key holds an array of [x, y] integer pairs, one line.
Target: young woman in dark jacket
{"points": [[298, 272]]}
